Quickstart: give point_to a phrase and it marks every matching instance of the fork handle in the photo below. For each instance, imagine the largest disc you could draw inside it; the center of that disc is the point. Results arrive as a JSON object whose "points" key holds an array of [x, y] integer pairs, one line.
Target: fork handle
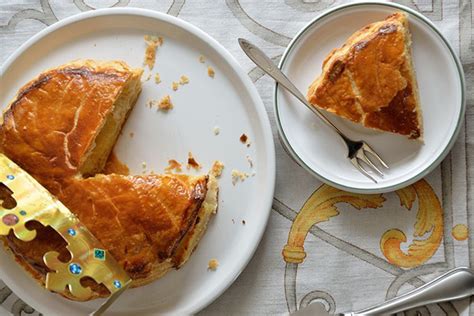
{"points": [[267, 65], [455, 284]]}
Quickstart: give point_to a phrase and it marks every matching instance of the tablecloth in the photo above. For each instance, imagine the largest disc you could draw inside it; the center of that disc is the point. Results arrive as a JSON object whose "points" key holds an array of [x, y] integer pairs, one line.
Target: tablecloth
{"points": [[360, 250]]}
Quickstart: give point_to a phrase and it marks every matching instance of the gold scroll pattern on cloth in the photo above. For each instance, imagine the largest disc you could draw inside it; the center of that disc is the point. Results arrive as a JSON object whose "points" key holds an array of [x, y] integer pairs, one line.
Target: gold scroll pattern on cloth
{"points": [[35, 203], [429, 220], [322, 205], [460, 232]]}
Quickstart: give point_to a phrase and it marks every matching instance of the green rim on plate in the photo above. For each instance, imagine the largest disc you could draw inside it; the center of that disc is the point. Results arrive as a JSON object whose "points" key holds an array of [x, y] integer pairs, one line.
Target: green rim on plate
{"points": [[289, 149]]}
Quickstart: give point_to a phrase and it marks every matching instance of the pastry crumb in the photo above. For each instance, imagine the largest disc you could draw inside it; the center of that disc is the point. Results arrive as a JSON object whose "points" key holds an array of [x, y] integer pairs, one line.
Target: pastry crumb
{"points": [[217, 168], [238, 176], [175, 86], [233, 221], [243, 222], [192, 163], [183, 80], [148, 77], [144, 165], [244, 139], [213, 264], [216, 130], [131, 134], [202, 59], [249, 159], [152, 42], [165, 103], [173, 165], [210, 72], [157, 78]]}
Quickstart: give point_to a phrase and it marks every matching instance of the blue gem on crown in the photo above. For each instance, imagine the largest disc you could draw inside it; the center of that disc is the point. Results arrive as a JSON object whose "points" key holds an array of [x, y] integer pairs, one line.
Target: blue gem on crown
{"points": [[22, 212], [10, 177], [117, 284], [74, 268], [71, 232]]}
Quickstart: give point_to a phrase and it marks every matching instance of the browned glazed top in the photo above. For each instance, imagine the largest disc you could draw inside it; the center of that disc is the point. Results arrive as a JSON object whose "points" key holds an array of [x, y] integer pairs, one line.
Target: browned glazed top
{"points": [[52, 123], [369, 79], [141, 220]]}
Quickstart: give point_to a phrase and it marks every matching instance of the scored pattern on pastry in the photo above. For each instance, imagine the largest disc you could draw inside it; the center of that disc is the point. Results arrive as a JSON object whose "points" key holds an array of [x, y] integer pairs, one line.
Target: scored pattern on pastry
{"points": [[61, 129], [370, 80]]}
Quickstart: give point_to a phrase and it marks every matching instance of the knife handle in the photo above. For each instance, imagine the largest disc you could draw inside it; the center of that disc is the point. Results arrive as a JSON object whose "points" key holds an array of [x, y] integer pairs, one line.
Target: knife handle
{"points": [[455, 284]]}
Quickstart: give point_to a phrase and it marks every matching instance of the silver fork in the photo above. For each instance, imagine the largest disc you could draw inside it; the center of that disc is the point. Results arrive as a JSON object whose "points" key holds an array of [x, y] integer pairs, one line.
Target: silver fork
{"points": [[356, 149]]}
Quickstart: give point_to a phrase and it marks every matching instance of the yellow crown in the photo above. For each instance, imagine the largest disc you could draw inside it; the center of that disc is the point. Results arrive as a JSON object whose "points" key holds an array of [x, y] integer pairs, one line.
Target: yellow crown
{"points": [[26, 200]]}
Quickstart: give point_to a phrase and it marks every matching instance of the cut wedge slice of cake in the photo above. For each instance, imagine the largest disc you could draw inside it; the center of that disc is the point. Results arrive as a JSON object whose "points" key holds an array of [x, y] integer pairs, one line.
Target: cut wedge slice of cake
{"points": [[370, 80], [66, 121]]}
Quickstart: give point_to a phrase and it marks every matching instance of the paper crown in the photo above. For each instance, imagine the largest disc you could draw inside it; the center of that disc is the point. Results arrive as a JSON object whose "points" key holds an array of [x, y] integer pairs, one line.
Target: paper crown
{"points": [[26, 200]]}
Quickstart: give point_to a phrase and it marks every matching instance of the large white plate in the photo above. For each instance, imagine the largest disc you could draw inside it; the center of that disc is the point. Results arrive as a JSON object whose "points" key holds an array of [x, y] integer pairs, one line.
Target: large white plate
{"points": [[229, 101], [318, 149]]}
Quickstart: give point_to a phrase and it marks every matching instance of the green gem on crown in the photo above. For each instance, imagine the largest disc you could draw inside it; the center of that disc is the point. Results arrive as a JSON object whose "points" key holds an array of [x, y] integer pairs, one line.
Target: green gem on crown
{"points": [[99, 254]]}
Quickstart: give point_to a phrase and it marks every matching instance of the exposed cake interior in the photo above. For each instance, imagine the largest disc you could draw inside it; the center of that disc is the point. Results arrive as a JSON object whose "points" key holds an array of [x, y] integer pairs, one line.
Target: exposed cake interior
{"points": [[105, 140]]}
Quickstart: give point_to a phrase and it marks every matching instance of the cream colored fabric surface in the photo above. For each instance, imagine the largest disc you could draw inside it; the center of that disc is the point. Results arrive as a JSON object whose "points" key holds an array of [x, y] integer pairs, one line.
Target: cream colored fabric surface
{"points": [[353, 259]]}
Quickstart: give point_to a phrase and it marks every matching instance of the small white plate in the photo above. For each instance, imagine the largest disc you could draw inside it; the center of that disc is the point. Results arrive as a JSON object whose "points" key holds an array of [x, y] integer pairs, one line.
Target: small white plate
{"points": [[229, 101], [316, 148]]}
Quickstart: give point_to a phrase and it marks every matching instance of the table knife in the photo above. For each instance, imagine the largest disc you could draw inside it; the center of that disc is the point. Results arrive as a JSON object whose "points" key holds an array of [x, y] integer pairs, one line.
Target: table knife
{"points": [[453, 285]]}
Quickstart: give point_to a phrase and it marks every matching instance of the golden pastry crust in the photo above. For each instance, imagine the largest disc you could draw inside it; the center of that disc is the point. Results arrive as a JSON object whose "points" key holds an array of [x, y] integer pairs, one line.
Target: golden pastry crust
{"points": [[150, 224], [61, 127], [53, 123], [197, 230], [370, 79]]}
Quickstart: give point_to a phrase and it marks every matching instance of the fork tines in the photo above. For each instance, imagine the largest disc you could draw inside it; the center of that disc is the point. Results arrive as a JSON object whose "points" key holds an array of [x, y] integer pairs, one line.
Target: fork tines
{"points": [[361, 155]]}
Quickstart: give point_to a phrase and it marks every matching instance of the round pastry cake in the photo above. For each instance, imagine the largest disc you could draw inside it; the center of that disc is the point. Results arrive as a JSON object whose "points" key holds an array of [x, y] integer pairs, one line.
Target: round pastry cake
{"points": [[61, 128]]}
